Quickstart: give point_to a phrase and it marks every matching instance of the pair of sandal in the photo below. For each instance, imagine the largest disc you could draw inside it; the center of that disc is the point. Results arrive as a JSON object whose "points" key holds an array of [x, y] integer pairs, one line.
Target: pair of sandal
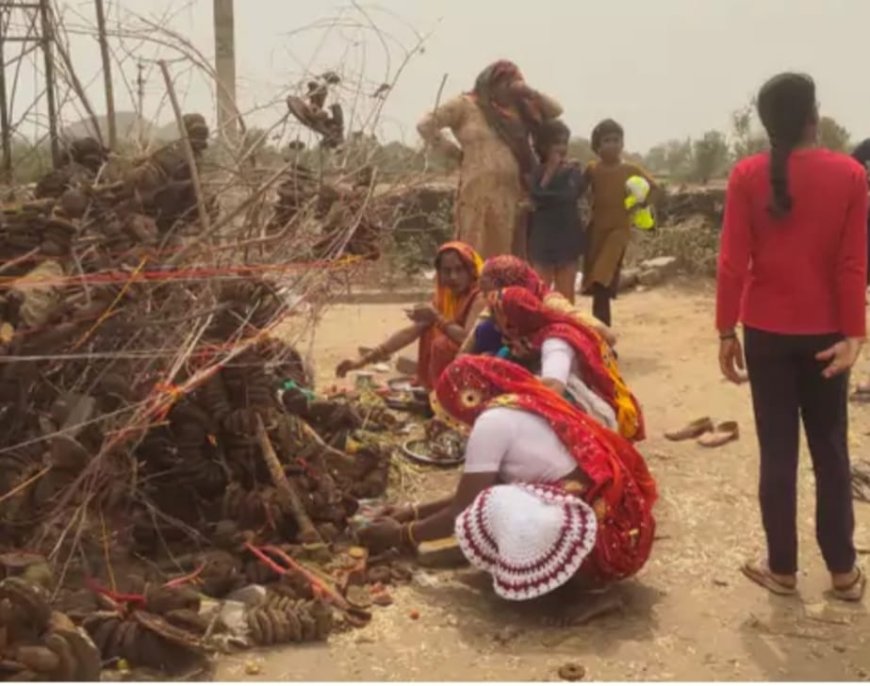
{"points": [[760, 574], [706, 433]]}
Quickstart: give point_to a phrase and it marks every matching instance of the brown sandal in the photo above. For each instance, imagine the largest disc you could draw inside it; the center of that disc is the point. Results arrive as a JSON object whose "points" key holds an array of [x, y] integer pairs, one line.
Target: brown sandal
{"points": [[854, 592], [726, 432], [692, 430], [759, 574]]}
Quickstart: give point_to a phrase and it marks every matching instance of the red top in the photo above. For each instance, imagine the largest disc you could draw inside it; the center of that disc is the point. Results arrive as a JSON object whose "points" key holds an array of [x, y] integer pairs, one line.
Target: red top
{"points": [[804, 273]]}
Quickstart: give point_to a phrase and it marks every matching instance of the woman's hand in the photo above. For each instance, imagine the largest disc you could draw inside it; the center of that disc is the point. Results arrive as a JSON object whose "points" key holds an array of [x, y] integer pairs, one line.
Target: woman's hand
{"points": [[731, 359], [346, 366], [520, 348], [521, 89], [840, 357], [400, 513], [554, 385], [381, 535], [423, 314]]}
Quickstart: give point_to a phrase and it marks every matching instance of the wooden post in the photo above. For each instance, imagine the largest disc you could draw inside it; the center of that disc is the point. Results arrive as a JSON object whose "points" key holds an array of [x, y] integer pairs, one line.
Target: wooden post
{"points": [[107, 75], [5, 133], [225, 69], [47, 43]]}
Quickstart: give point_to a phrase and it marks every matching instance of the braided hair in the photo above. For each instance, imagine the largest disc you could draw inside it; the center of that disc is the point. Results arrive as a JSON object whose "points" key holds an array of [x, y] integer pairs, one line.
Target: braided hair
{"points": [[786, 105]]}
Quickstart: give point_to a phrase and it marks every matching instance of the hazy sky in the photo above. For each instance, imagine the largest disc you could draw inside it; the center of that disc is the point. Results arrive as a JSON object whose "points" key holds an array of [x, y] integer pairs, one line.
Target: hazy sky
{"points": [[664, 68]]}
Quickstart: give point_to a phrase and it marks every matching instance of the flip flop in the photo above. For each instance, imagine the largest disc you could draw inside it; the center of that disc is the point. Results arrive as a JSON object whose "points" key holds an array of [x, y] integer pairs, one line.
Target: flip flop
{"points": [[758, 573], [726, 432], [692, 430], [854, 592]]}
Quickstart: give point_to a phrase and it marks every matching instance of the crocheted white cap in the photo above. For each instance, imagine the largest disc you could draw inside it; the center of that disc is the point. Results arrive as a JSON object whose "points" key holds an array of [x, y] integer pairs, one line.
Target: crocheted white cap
{"points": [[530, 538]]}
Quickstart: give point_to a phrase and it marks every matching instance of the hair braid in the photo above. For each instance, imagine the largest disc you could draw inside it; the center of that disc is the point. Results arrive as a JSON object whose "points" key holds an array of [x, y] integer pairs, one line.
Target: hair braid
{"points": [[786, 105]]}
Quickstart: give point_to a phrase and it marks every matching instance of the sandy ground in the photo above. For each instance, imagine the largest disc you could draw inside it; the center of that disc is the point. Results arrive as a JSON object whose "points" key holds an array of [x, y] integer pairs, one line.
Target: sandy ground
{"points": [[689, 615]]}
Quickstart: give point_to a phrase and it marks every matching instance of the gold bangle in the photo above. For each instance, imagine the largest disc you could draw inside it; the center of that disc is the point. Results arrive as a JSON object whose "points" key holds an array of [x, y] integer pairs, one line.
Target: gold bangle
{"points": [[415, 511], [411, 538]]}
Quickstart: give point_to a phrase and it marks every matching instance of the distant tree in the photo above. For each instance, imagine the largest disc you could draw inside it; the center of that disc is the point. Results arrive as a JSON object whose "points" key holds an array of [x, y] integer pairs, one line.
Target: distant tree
{"points": [[678, 158], [581, 149], [656, 160], [29, 161], [833, 135], [710, 156], [747, 140], [253, 143]]}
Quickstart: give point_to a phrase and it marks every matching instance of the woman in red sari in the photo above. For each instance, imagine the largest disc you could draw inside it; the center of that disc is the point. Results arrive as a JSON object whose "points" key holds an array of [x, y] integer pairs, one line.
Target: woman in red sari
{"points": [[506, 270], [547, 492], [441, 326], [575, 359]]}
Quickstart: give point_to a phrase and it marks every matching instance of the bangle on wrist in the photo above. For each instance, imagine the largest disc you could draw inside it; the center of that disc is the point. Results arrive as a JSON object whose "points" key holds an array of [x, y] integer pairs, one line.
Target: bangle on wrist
{"points": [[376, 355], [727, 336], [415, 511], [408, 536]]}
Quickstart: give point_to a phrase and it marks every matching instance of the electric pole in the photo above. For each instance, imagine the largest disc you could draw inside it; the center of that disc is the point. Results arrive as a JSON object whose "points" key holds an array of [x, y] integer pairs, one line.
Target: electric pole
{"points": [[107, 75], [48, 53], [5, 133], [225, 67]]}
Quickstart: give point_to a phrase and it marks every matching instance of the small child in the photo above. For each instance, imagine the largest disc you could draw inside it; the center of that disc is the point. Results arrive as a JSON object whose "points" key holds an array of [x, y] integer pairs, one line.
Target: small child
{"points": [[610, 226], [556, 234]]}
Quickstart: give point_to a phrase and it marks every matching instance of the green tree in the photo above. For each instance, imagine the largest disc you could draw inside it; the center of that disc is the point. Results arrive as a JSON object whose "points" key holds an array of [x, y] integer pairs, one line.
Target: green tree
{"points": [[747, 140], [710, 156], [656, 160], [833, 135], [678, 158]]}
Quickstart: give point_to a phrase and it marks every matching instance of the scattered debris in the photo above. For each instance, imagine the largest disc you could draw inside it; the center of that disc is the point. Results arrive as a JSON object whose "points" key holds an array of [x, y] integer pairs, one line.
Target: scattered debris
{"points": [[572, 671]]}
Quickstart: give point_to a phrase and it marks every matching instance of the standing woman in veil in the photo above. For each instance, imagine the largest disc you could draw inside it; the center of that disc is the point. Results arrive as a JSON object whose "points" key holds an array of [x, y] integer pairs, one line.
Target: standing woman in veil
{"points": [[494, 126]]}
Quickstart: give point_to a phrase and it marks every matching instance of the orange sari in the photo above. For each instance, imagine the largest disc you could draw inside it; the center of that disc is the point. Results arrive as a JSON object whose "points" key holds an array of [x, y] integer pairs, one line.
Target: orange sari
{"points": [[437, 349]]}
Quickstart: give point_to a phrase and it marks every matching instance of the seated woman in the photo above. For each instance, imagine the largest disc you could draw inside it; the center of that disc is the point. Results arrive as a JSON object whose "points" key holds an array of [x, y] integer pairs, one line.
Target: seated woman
{"points": [[442, 326], [574, 359], [547, 492], [507, 270]]}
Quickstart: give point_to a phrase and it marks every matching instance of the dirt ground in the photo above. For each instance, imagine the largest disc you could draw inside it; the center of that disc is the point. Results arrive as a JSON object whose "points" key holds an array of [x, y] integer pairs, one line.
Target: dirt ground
{"points": [[689, 615]]}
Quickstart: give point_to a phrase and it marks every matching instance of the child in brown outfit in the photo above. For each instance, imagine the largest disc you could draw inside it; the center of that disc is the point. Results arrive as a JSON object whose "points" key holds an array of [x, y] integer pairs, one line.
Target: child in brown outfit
{"points": [[610, 227]]}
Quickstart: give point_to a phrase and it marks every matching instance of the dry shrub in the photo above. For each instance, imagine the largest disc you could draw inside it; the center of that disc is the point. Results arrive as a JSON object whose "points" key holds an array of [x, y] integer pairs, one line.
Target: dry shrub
{"points": [[695, 244]]}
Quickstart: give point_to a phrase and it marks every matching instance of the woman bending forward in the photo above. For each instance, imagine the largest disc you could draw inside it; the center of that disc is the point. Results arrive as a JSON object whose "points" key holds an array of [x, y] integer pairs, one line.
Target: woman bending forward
{"points": [[546, 492]]}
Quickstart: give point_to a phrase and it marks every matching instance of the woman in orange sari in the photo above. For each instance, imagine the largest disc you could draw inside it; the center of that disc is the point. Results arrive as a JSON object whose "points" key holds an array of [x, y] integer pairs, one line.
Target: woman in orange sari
{"points": [[442, 325]]}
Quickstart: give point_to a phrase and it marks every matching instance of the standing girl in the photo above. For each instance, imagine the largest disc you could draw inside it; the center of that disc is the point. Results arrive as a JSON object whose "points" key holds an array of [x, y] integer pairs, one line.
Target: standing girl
{"points": [[792, 269], [610, 228], [556, 232]]}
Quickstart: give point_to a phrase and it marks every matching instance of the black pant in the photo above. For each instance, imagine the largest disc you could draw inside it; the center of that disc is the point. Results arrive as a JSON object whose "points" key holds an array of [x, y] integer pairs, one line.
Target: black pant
{"points": [[787, 386], [601, 297]]}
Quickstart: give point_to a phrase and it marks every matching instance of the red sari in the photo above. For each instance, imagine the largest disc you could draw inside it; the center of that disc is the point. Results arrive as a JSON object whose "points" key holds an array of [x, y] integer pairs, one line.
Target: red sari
{"points": [[523, 317], [622, 491], [507, 270], [437, 349]]}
